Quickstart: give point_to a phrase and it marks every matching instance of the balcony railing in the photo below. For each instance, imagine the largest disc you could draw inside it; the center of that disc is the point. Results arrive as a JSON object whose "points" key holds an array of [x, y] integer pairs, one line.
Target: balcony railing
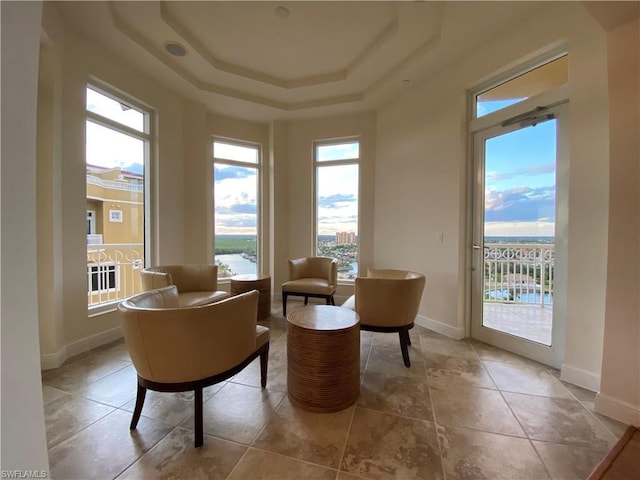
{"points": [[115, 184], [519, 273], [113, 272]]}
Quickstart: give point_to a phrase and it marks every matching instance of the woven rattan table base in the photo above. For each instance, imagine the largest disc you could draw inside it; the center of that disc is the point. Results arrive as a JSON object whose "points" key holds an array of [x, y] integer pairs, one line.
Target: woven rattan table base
{"points": [[262, 283], [323, 358]]}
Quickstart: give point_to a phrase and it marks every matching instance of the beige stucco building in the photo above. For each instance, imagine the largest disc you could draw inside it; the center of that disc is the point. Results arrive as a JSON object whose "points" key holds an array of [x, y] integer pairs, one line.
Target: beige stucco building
{"points": [[115, 233]]}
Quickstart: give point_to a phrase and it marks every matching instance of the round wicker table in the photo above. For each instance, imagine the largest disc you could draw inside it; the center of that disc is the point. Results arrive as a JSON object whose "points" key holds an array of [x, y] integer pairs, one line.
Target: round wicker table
{"points": [[248, 282], [323, 358]]}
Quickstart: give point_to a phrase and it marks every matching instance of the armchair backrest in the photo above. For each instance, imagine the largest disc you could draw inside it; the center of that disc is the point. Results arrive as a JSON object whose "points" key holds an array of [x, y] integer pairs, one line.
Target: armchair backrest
{"points": [[187, 278], [388, 297], [314, 267], [173, 345]]}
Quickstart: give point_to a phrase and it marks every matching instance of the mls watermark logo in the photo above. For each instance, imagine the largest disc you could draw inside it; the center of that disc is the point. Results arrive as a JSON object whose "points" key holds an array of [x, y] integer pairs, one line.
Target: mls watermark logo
{"points": [[23, 474]]}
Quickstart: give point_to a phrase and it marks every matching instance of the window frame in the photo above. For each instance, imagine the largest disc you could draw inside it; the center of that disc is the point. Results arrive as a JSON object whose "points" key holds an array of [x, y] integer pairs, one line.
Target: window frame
{"points": [[147, 137], [510, 73], [332, 163], [258, 166]]}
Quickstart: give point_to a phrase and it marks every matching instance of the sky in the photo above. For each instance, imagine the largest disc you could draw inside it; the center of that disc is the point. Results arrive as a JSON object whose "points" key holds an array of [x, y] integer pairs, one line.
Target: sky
{"points": [[108, 148], [235, 200], [519, 175], [520, 182], [236, 191]]}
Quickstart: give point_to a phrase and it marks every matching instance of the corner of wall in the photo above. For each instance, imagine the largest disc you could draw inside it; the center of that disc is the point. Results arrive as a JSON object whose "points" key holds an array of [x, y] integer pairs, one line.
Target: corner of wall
{"points": [[456, 333], [618, 410], [580, 377]]}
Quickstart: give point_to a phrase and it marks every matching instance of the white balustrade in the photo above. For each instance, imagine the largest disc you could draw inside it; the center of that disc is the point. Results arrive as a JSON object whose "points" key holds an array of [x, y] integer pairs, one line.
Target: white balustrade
{"points": [[113, 272], [519, 273]]}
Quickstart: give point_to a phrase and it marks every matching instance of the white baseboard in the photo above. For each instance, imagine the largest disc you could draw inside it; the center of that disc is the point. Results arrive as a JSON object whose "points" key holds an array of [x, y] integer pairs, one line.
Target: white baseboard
{"points": [[54, 360], [618, 409], [580, 377], [93, 341], [457, 333]]}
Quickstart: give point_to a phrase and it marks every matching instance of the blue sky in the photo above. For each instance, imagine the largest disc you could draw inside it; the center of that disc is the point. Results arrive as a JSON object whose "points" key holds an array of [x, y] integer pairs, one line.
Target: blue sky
{"points": [[520, 182]]}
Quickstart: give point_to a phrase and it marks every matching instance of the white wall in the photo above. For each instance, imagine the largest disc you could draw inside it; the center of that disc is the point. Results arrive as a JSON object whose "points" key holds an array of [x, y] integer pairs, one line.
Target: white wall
{"points": [[49, 207], [422, 163], [419, 191], [197, 179], [23, 442], [619, 396]]}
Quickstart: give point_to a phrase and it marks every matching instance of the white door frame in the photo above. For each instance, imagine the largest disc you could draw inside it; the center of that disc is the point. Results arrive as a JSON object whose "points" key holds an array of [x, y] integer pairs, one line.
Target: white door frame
{"points": [[488, 127]]}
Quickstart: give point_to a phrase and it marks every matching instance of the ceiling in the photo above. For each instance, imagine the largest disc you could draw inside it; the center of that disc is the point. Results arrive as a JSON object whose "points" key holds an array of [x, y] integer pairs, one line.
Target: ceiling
{"points": [[283, 60]]}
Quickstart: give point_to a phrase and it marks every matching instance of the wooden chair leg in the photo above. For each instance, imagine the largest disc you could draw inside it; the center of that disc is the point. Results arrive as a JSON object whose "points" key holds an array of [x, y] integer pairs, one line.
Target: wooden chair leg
{"points": [[142, 392], [404, 335], [328, 299], [408, 338], [284, 304], [306, 299], [199, 436], [333, 301], [264, 359]]}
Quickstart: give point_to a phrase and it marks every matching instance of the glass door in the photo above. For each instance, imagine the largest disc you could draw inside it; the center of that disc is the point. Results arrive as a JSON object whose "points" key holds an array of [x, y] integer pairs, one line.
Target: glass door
{"points": [[514, 238]]}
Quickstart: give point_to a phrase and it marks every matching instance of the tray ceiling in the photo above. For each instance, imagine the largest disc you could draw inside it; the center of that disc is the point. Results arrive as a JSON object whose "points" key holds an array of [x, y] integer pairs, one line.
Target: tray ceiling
{"points": [[276, 60]]}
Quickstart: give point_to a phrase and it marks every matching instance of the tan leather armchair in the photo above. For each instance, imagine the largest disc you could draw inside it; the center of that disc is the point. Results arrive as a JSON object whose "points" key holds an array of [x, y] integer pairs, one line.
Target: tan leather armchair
{"points": [[176, 349], [311, 277], [388, 301], [197, 284]]}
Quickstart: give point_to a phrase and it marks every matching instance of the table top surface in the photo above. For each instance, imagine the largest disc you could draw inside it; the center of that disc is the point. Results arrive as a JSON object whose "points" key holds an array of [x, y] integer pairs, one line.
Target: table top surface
{"points": [[249, 277], [323, 317]]}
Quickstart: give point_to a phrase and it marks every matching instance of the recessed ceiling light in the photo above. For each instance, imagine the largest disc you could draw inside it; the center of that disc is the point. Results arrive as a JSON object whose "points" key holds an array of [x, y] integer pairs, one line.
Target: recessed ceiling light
{"points": [[281, 12], [175, 49]]}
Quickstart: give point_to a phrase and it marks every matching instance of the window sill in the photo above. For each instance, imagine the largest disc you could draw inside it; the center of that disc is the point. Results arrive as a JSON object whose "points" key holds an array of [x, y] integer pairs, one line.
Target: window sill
{"points": [[97, 310]]}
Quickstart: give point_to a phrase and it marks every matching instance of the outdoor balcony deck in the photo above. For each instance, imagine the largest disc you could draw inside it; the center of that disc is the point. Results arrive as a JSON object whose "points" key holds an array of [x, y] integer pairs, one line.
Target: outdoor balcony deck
{"points": [[518, 288]]}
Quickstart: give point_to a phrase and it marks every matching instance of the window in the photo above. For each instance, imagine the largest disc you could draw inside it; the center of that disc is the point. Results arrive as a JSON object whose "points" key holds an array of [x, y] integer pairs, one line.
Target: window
{"points": [[545, 77], [236, 187], [117, 142], [102, 278], [91, 222], [336, 212]]}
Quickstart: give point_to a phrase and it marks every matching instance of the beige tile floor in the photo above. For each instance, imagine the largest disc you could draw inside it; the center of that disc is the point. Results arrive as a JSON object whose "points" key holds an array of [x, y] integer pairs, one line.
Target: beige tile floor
{"points": [[463, 410]]}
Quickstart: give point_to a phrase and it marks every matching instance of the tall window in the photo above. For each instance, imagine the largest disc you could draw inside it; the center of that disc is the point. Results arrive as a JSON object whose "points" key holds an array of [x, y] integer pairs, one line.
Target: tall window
{"points": [[236, 187], [336, 189], [118, 135]]}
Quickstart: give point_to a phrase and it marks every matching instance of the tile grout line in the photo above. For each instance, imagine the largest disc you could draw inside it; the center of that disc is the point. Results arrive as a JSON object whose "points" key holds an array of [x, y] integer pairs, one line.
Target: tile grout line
{"points": [[155, 445], [433, 411], [524, 430], [346, 440]]}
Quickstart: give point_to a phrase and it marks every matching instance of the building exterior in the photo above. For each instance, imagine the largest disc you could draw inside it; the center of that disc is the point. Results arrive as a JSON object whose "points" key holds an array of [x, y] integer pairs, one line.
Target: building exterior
{"points": [[115, 233], [345, 237]]}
